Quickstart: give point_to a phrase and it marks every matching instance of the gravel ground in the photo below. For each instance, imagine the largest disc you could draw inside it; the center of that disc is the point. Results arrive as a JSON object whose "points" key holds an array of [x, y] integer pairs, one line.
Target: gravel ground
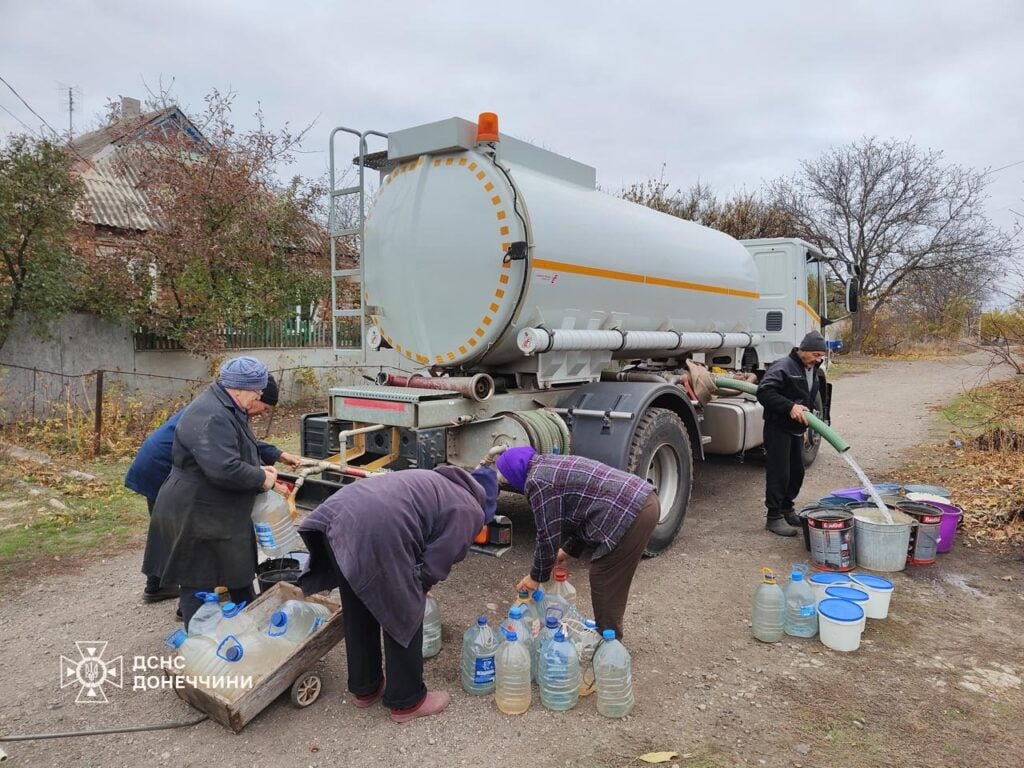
{"points": [[937, 684]]}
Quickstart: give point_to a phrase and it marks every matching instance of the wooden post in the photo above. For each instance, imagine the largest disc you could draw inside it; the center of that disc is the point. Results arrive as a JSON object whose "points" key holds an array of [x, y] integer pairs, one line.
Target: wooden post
{"points": [[98, 428]]}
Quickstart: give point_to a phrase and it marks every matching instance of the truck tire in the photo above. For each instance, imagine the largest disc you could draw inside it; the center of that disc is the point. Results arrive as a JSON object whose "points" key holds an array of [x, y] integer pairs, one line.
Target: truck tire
{"points": [[811, 446], [660, 453]]}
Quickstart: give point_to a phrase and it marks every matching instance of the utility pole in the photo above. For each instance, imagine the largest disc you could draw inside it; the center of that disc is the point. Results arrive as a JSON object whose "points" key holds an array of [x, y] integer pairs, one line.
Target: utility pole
{"points": [[70, 105]]}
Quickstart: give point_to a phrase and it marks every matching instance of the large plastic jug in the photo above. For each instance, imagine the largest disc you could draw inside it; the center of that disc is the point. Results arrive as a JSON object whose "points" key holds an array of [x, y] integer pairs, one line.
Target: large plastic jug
{"points": [[614, 676], [431, 628], [512, 691], [516, 623], [801, 616], [586, 637], [769, 609], [210, 663], [207, 616], [275, 530], [560, 679], [296, 620], [479, 646], [545, 636], [562, 587]]}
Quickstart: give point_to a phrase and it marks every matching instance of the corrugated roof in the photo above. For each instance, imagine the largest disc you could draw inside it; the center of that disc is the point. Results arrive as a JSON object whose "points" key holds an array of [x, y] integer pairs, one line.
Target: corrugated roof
{"points": [[111, 197]]}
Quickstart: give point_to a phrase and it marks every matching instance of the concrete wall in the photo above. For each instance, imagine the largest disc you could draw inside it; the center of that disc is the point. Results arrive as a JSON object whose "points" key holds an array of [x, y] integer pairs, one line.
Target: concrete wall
{"points": [[39, 376]]}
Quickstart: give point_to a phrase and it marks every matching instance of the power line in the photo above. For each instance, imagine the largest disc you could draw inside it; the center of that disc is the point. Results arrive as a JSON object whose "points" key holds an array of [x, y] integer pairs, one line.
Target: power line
{"points": [[28, 106], [27, 127], [997, 170]]}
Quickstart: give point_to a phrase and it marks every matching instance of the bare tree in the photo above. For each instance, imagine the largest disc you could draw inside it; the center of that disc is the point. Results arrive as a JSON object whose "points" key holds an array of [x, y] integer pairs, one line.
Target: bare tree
{"points": [[896, 212]]}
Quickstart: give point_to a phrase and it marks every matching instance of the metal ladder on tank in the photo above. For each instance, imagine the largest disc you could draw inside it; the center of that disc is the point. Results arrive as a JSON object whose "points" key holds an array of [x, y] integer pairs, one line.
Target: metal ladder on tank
{"points": [[350, 277]]}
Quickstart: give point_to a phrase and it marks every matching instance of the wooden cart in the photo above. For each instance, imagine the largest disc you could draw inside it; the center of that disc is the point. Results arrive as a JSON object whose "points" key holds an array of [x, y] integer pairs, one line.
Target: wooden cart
{"points": [[295, 672]]}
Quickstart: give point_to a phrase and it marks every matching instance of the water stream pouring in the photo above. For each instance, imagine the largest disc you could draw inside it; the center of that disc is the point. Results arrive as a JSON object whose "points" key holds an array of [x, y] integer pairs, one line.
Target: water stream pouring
{"points": [[823, 429]]}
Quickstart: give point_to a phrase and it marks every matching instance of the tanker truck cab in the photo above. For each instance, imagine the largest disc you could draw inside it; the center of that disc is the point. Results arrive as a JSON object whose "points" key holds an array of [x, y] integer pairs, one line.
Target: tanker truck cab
{"points": [[527, 307]]}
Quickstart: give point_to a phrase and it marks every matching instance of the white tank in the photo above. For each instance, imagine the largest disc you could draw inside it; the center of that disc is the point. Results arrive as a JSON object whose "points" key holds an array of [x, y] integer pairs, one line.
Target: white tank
{"points": [[445, 294]]}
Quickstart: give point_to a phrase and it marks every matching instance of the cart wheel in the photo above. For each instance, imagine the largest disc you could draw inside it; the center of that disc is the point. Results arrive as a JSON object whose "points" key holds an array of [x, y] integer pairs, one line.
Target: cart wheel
{"points": [[306, 689]]}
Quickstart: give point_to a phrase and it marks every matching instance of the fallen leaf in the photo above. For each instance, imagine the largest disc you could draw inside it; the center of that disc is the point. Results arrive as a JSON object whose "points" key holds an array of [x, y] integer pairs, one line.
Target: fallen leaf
{"points": [[658, 757]]}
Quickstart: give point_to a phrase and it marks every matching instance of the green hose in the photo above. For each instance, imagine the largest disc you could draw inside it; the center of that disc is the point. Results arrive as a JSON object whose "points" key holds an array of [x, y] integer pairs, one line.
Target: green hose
{"points": [[819, 426]]}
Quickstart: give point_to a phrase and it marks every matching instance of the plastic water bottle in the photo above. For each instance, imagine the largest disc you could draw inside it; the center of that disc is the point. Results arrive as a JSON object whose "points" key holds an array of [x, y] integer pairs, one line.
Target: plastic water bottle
{"points": [[525, 600], [515, 623], [562, 587], [801, 616], [207, 616], [431, 628], [479, 646], [560, 679], [272, 520], [538, 609], [543, 639], [296, 620], [202, 655], [586, 638], [512, 691], [769, 609], [614, 675], [559, 607]]}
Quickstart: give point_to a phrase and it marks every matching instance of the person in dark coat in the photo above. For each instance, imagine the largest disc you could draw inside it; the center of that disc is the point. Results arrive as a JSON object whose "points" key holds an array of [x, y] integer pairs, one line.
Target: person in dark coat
{"points": [[152, 465], [384, 542], [787, 391], [580, 503], [201, 533]]}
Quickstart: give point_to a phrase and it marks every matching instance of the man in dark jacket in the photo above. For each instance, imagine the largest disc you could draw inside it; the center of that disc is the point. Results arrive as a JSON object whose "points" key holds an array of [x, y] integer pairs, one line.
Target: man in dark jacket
{"points": [[384, 542], [201, 533], [152, 465], [787, 391]]}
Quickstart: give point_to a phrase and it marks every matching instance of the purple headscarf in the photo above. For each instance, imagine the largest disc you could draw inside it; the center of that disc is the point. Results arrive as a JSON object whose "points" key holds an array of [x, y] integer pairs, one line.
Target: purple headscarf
{"points": [[513, 464]]}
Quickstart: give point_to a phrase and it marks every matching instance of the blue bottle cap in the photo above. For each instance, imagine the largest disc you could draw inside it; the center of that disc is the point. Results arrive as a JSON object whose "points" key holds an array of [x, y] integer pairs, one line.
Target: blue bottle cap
{"points": [[870, 580], [538, 594], [559, 636], [524, 593], [176, 638], [608, 634], [796, 576], [208, 597], [279, 619], [516, 612], [847, 593], [840, 610], [551, 622], [511, 636], [481, 621], [230, 610], [233, 653], [590, 624]]}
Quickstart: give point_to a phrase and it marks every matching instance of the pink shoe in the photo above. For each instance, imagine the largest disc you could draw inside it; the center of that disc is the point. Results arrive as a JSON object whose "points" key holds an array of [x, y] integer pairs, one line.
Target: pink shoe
{"points": [[368, 701], [433, 703]]}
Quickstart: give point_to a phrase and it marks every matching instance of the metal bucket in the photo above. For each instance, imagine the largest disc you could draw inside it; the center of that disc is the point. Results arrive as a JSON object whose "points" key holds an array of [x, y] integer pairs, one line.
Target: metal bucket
{"points": [[881, 546], [802, 514], [924, 539], [832, 540], [270, 572]]}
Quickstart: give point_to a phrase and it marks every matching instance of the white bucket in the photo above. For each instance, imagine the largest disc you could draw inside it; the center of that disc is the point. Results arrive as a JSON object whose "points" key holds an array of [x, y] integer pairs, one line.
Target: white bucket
{"points": [[840, 623], [821, 581], [879, 593]]}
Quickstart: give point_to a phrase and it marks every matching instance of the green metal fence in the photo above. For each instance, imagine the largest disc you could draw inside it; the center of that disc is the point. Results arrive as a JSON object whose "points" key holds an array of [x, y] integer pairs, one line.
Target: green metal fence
{"points": [[261, 334]]}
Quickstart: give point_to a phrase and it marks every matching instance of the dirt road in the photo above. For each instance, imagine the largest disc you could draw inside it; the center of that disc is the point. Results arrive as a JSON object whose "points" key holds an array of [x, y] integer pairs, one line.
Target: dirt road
{"points": [[937, 684]]}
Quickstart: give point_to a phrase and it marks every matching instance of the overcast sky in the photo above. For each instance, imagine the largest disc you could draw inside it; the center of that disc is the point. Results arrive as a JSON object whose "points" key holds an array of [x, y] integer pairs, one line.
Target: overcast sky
{"points": [[731, 93]]}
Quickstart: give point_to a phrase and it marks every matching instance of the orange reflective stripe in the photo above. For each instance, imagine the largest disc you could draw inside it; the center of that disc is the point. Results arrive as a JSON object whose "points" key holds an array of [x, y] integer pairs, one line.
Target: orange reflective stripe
{"points": [[631, 277]]}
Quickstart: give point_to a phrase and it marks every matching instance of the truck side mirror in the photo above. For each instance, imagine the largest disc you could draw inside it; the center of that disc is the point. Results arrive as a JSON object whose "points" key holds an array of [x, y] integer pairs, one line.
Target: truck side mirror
{"points": [[852, 294]]}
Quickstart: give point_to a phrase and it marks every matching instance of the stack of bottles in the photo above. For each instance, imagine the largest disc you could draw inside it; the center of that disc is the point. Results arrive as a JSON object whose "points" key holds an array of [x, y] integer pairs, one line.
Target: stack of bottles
{"points": [[545, 640], [225, 647]]}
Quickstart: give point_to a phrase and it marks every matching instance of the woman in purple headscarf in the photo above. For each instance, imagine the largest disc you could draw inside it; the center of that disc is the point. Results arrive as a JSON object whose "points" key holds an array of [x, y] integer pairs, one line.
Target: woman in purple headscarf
{"points": [[577, 503]]}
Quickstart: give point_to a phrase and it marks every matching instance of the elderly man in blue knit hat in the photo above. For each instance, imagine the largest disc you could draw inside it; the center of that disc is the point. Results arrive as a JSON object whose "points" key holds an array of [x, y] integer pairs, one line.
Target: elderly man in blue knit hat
{"points": [[152, 465], [201, 534], [580, 503]]}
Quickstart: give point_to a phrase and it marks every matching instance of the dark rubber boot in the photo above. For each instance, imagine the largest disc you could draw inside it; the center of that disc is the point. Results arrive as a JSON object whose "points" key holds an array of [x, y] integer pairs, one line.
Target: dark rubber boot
{"points": [[793, 518], [780, 527]]}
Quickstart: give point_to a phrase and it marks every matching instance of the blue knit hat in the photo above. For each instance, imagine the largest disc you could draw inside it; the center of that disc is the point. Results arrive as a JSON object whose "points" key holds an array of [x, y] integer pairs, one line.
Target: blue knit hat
{"points": [[243, 373], [513, 464]]}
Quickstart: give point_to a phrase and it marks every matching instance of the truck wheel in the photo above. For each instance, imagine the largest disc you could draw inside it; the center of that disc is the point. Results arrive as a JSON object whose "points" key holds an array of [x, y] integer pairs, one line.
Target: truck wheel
{"points": [[660, 453], [812, 445]]}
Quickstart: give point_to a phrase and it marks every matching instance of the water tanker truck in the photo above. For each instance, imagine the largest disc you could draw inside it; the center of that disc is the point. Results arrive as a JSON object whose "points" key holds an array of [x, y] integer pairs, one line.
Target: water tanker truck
{"points": [[529, 307]]}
